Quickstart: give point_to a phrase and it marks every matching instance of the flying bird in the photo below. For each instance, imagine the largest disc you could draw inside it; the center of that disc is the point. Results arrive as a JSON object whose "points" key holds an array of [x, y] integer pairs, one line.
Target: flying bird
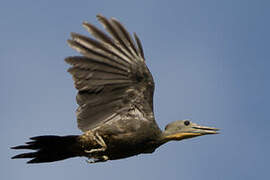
{"points": [[115, 98]]}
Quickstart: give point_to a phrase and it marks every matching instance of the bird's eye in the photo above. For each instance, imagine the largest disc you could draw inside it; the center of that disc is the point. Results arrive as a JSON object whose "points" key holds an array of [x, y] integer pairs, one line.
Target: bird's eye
{"points": [[186, 123]]}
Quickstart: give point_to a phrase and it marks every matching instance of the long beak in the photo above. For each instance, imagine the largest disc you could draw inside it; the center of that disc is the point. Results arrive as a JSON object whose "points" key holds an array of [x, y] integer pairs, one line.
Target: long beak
{"points": [[193, 131], [203, 130]]}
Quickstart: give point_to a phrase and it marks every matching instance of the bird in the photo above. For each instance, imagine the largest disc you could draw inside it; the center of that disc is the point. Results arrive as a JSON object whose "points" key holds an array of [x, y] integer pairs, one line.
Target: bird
{"points": [[115, 102]]}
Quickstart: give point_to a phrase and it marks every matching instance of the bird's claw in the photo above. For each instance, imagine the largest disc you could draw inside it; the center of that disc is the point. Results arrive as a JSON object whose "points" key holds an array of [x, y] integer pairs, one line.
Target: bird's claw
{"points": [[101, 159], [100, 141]]}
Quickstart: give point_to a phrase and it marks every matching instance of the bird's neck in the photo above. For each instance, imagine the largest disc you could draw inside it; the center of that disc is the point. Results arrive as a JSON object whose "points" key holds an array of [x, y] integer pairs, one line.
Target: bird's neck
{"points": [[163, 138], [167, 136]]}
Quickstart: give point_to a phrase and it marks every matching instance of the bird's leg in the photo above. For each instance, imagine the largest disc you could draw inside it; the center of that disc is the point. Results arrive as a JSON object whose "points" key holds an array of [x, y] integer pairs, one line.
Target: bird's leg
{"points": [[100, 159], [100, 141]]}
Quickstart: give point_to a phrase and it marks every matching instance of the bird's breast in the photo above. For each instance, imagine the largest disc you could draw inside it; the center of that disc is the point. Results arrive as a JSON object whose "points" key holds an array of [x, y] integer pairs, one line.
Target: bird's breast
{"points": [[122, 147], [131, 142]]}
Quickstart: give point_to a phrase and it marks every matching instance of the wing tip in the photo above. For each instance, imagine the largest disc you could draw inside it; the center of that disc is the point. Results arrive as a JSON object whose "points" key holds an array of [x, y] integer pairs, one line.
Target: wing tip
{"points": [[100, 16]]}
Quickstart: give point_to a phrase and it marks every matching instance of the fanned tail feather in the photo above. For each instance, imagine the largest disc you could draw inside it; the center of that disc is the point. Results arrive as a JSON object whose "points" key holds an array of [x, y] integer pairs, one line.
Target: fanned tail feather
{"points": [[49, 148]]}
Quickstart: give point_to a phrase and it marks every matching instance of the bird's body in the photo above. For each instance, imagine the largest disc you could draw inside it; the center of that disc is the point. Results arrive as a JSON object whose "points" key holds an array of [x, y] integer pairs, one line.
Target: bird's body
{"points": [[128, 139], [115, 98]]}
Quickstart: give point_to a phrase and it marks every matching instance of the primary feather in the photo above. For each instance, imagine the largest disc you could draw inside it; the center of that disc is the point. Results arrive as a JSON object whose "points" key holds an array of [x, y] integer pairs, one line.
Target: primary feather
{"points": [[111, 76]]}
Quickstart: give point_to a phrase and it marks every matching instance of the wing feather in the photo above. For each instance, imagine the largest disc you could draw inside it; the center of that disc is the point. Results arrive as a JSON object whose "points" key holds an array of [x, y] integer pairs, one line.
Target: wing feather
{"points": [[106, 40], [111, 76], [139, 44], [93, 56], [114, 32], [89, 64], [125, 37]]}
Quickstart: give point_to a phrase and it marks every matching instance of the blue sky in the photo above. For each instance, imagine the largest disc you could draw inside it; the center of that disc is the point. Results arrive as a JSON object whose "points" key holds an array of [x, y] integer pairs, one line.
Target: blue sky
{"points": [[210, 61]]}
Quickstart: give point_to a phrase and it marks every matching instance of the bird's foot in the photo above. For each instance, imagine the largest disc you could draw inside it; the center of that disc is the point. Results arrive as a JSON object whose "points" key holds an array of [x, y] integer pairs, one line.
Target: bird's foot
{"points": [[100, 159], [100, 141]]}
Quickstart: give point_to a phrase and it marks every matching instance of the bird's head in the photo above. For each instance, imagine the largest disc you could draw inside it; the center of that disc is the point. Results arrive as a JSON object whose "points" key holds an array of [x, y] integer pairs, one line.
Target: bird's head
{"points": [[185, 129]]}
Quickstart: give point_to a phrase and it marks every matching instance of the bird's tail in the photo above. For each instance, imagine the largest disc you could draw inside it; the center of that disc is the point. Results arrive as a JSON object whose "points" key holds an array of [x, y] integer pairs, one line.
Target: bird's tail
{"points": [[50, 148]]}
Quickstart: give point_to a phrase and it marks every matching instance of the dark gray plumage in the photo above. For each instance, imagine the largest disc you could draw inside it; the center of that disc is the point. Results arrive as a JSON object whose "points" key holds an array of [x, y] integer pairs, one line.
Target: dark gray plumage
{"points": [[111, 77], [115, 98]]}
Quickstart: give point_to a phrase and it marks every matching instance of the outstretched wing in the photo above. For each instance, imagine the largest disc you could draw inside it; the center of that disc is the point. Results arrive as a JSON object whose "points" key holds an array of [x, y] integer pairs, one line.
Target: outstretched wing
{"points": [[111, 76]]}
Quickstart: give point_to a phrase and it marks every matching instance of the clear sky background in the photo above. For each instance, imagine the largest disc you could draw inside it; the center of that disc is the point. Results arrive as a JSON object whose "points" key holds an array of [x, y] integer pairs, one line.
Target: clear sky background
{"points": [[210, 61]]}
